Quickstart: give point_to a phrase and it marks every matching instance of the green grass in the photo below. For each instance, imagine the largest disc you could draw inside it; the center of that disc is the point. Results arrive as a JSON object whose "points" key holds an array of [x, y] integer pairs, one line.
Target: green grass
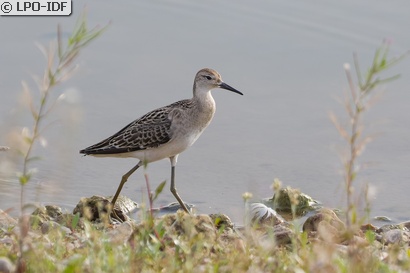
{"points": [[185, 243]]}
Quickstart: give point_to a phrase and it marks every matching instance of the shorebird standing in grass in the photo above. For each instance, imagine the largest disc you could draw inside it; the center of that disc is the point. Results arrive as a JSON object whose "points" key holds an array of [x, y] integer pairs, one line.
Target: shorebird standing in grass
{"points": [[165, 132]]}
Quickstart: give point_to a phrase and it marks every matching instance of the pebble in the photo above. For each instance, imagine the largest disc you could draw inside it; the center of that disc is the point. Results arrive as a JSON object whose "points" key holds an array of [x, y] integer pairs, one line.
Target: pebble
{"points": [[6, 266], [395, 236]]}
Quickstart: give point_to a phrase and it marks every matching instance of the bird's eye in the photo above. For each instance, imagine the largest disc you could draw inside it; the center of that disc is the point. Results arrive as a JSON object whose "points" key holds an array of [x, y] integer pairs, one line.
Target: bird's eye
{"points": [[208, 77]]}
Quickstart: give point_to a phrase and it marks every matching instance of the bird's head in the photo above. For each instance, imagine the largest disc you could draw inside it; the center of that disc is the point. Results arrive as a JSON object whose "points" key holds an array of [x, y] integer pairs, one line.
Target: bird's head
{"points": [[207, 79]]}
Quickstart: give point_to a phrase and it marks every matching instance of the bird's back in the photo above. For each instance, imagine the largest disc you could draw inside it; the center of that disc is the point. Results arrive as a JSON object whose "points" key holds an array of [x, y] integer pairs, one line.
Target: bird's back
{"points": [[149, 131]]}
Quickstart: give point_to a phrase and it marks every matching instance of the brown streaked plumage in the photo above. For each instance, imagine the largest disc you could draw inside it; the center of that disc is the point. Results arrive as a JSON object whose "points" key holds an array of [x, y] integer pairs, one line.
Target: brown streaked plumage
{"points": [[166, 131]]}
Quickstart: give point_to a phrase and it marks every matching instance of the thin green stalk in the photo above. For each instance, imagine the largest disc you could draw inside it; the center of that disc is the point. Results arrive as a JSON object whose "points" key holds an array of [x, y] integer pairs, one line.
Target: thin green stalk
{"points": [[50, 80], [355, 107]]}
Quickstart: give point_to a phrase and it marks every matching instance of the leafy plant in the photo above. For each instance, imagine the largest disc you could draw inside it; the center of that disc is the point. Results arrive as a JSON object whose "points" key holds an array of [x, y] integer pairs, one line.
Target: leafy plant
{"points": [[361, 98], [60, 67]]}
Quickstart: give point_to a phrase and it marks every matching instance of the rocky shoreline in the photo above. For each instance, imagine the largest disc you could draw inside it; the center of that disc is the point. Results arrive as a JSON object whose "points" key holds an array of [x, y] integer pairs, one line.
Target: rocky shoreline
{"points": [[49, 226]]}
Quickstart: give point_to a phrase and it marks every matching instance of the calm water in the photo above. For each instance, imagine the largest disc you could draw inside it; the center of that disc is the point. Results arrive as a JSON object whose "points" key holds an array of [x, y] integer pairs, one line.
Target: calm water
{"points": [[286, 57]]}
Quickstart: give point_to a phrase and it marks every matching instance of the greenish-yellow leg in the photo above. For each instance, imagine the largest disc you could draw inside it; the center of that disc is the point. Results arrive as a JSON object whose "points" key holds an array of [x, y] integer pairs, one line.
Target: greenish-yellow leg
{"points": [[173, 189], [123, 180]]}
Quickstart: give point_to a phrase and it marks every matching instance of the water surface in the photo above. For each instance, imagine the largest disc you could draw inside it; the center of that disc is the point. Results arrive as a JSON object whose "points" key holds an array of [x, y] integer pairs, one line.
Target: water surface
{"points": [[286, 57]]}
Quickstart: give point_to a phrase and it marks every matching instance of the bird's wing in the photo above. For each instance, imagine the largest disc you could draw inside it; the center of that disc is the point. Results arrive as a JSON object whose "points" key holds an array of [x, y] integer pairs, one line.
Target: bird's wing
{"points": [[150, 131]]}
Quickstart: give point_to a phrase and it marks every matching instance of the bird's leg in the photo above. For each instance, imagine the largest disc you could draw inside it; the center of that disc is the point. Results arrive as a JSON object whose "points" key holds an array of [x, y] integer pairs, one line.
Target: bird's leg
{"points": [[123, 180], [173, 189]]}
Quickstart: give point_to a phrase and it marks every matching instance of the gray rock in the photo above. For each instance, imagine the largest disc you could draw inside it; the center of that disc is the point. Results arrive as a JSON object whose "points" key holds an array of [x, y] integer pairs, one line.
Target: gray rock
{"points": [[44, 214], [405, 224], [385, 228], [382, 218], [46, 227], [184, 224], [6, 266], [172, 208], [125, 204], [121, 233], [283, 234], [327, 215], [395, 236], [325, 225]]}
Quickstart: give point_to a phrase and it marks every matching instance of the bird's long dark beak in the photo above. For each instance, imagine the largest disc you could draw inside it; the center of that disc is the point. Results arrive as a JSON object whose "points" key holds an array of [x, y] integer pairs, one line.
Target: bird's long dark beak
{"points": [[230, 88]]}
